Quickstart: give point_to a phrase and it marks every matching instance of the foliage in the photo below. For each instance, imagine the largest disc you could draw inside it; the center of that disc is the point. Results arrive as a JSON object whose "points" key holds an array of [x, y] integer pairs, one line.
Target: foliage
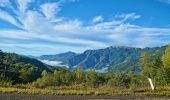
{"points": [[119, 80], [94, 79], [157, 68], [19, 69], [17, 73], [166, 63], [118, 58], [79, 75]]}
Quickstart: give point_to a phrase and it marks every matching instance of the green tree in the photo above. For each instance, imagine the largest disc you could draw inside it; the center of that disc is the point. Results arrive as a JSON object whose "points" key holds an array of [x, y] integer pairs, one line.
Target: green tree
{"points": [[79, 74], [57, 77], [156, 66], [1, 65], [166, 57], [134, 80], [166, 66], [146, 62], [63, 77], [68, 78], [119, 80], [47, 79], [110, 73], [44, 73], [28, 73], [91, 79]]}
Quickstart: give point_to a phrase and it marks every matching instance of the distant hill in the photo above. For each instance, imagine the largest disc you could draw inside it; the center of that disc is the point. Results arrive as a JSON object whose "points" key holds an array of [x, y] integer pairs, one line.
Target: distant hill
{"points": [[18, 68], [64, 57], [118, 58]]}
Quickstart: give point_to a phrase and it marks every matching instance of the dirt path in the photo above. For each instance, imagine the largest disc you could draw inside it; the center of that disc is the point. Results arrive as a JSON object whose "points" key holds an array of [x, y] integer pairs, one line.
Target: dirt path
{"points": [[73, 97]]}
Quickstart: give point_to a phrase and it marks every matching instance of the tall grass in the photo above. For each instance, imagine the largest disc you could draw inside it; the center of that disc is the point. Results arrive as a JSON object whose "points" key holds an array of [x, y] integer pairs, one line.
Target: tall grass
{"points": [[82, 90], [46, 91]]}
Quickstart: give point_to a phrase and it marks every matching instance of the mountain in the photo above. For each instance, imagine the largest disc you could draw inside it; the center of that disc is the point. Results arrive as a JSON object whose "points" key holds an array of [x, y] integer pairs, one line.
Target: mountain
{"points": [[64, 57], [58, 60], [19, 68], [119, 58]]}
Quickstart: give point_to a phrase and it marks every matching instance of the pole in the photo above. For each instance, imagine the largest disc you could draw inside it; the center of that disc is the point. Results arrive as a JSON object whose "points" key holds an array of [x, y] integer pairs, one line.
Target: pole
{"points": [[151, 84]]}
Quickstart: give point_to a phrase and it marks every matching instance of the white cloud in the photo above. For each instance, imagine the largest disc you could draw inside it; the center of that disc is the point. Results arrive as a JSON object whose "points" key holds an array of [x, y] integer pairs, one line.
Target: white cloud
{"points": [[43, 29], [123, 18], [23, 5], [7, 17], [141, 37], [72, 26], [24, 36], [34, 22], [52, 63], [5, 3], [50, 9], [55, 63], [128, 16], [97, 19]]}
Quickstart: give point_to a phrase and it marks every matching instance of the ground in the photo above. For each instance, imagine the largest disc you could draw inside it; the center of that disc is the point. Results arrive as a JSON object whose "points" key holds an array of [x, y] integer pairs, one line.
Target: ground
{"points": [[14, 96]]}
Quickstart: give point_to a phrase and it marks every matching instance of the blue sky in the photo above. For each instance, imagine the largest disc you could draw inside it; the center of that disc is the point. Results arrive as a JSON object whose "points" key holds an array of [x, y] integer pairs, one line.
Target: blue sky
{"points": [[37, 27]]}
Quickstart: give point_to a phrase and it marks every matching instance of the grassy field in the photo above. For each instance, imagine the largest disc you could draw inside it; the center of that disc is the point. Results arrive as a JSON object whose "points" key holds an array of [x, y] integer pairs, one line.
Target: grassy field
{"points": [[101, 91], [46, 91]]}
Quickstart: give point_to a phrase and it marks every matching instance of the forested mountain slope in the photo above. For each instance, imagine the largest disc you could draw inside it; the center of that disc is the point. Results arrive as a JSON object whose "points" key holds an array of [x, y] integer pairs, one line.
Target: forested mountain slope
{"points": [[118, 58]]}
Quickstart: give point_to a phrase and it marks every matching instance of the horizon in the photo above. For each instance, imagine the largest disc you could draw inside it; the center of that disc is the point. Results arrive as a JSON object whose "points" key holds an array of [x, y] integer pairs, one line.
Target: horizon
{"points": [[84, 50], [45, 27]]}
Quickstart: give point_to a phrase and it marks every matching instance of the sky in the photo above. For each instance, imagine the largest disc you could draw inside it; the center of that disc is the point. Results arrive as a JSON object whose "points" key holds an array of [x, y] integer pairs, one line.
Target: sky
{"points": [[40, 27]]}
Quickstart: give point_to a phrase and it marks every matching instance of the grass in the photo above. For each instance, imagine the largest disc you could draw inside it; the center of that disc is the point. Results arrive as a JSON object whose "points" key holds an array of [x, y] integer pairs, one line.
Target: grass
{"points": [[140, 91], [101, 91], [45, 91]]}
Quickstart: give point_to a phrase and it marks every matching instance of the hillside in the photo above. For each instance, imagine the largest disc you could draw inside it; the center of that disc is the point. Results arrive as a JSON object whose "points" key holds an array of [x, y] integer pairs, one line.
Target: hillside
{"points": [[18, 68], [118, 58]]}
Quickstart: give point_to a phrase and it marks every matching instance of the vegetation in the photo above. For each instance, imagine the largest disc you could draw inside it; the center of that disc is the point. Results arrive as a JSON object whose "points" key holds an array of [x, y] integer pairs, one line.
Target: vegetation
{"points": [[24, 77], [19, 69], [157, 68], [118, 58]]}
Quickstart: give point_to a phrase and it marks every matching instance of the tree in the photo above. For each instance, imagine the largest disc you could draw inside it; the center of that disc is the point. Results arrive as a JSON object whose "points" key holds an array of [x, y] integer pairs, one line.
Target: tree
{"points": [[156, 66], [44, 73], [57, 77], [135, 80], [91, 79], [119, 80], [68, 78], [1, 65], [146, 63], [110, 73], [166, 65], [47, 79], [166, 57], [79, 74], [28, 73]]}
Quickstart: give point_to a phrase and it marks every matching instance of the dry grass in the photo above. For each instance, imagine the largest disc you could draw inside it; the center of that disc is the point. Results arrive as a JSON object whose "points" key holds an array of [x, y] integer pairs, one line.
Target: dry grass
{"points": [[45, 91], [82, 90]]}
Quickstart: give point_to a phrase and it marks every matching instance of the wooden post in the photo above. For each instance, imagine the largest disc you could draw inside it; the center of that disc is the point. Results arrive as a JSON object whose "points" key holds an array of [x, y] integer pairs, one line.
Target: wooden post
{"points": [[151, 84]]}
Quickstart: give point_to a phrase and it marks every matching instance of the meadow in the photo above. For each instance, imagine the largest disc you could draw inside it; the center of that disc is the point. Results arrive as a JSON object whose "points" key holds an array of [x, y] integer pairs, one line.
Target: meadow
{"points": [[81, 90]]}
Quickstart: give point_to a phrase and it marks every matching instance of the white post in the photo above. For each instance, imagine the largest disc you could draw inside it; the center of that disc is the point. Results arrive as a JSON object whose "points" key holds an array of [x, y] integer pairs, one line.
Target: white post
{"points": [[152, 86]]}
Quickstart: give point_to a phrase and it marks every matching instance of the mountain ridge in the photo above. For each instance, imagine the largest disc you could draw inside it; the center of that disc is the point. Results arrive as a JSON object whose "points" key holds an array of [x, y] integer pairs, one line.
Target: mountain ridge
{"points": [[121, 58]]}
